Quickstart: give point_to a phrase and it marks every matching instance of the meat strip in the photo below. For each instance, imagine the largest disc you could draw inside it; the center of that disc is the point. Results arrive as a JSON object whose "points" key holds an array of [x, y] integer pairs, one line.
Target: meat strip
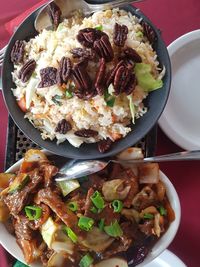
{"points": [[51, 199], [19, 199]]}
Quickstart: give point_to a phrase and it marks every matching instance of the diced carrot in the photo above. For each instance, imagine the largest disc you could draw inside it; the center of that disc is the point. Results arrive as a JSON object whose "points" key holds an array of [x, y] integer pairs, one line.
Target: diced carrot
{"points": [[114, 118], [116, 136], [27, 166], [22, 104]]}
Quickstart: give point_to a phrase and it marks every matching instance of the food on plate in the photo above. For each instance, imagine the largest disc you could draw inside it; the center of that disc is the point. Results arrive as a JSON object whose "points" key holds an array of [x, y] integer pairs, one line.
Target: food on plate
{"points": [[86, 80], [119, 211]]}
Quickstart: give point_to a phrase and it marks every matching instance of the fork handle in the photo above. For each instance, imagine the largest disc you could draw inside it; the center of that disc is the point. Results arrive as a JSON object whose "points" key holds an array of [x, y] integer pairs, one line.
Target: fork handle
{"points": [[180, 156]]}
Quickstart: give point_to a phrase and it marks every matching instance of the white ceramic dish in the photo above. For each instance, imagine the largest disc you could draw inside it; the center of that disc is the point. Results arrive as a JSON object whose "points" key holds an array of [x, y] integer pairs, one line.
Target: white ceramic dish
{"points": [[9, 243], [166, 259], [181, 116]]}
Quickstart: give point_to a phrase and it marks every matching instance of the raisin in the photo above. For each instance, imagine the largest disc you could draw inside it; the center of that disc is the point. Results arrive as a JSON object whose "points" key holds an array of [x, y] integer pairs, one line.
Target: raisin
{"points": [[104, 145], [86, 133], [48, 77]]}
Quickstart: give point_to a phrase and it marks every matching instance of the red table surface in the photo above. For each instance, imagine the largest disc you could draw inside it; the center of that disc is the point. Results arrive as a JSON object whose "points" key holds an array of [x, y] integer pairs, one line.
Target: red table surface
{"points": [[173, 18]]}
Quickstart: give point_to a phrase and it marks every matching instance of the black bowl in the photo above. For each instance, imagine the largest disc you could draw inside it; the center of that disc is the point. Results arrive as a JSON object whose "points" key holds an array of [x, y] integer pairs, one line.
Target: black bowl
{"points": [[155, 102]]}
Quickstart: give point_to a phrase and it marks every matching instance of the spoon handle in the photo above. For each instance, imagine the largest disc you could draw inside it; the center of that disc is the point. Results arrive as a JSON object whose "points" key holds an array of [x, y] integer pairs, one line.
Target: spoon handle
{"points": [[180, 156], [113, 4]]}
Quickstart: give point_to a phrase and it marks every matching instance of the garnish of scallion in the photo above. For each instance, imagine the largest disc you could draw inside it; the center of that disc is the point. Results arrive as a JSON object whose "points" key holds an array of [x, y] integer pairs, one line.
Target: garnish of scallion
{"points": [[162, 211], [85, 223], [113, 229], [97, 200], [148, 216], [73, 206], [70, 234], [33, 212], [86, 261], [117, 205]]}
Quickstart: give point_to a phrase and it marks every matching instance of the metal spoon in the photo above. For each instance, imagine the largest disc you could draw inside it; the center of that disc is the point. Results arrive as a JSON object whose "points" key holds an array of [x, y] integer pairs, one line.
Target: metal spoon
{"points": [[67, 7], [76, 169]]}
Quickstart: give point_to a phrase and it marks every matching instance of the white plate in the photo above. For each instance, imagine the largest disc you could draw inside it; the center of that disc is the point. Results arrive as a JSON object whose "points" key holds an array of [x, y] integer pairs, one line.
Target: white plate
{"points": [[166, 259], [181, 117]]}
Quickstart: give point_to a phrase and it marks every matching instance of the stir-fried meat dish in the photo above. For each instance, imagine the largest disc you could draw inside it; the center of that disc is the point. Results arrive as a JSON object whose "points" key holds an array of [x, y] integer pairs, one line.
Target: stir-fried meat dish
{"points": [[118, 211]]}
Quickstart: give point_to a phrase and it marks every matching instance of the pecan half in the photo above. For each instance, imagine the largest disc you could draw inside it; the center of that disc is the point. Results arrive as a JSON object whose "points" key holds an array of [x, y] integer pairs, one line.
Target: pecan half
{"points": [[131, 84], [17, 52], [82, 53], [27, 70], [149, 32], [100, 77], [63, 127], [86, 133], [103, 48], [82, 81], [54, 14], [132, 54], [111, 75], [87, 36], [104, 145], [64, 70], [121, 79], [120, 34], [48, 77]]}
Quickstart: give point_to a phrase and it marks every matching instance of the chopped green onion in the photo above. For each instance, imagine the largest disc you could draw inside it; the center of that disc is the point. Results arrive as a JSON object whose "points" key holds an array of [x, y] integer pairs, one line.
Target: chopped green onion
{"points": [[85, 223], [148, 216], [101, 224], [86, 261], [109, 99], [113, 229], [99, 27], [97, 200], [73, 206], [33, 212], [162, 211], [94, 210], [70, 234], [139, 34], [68, 94], [117, 205], [56, 99]]}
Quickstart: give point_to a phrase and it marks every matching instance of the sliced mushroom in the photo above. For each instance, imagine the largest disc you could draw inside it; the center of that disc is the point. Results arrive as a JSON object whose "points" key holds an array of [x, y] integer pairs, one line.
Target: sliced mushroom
{"points": [[96, 240], [57, 259], [115, 189], [150, 209], [146, 197], [161, 190], [131, 214], [157, 229]]}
